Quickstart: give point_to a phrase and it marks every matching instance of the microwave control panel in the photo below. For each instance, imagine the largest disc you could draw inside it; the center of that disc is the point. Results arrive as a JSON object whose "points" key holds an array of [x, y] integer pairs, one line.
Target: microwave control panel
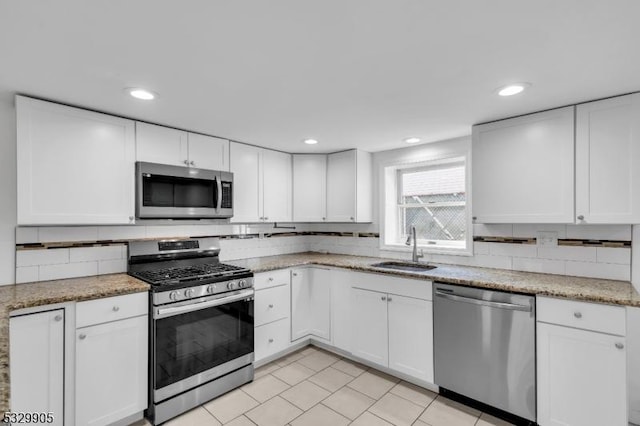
{"points": [[226, 195]]}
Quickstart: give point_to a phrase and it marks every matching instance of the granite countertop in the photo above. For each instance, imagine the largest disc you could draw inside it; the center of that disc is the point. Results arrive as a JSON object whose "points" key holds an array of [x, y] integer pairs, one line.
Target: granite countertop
{"points": [[587, 289], [31, 295]]}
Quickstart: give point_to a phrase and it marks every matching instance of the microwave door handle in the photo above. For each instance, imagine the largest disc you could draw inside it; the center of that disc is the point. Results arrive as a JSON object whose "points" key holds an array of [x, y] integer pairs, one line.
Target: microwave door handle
{"points": [[219, 201]]}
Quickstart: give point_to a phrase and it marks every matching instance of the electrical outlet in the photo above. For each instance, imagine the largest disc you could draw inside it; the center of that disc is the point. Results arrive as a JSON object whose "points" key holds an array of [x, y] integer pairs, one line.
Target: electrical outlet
{"points": [[547, 238]]}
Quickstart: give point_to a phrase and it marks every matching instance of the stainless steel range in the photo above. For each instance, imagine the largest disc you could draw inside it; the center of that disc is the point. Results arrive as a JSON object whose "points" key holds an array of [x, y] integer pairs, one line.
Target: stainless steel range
{"points": [[201, 332]]}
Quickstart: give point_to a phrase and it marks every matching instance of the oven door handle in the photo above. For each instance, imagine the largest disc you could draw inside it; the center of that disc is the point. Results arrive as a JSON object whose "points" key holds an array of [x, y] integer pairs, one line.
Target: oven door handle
{"points": [[175, 310]]}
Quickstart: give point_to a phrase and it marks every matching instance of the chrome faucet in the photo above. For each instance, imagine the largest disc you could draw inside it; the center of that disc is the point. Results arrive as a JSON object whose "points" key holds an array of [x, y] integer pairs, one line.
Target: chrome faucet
{"points": [[416, 255]]}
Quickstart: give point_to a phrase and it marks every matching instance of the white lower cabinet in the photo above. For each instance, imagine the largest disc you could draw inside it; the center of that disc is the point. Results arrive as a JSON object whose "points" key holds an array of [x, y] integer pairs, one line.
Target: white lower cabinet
{"points": [[582, 374], [271, 313], [111, 363], [393, 330], [311, 303], [37, 364], [341, 309]]}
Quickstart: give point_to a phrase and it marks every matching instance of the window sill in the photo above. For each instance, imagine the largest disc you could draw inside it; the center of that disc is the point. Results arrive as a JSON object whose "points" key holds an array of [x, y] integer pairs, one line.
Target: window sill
{"points": [[429, 250]]}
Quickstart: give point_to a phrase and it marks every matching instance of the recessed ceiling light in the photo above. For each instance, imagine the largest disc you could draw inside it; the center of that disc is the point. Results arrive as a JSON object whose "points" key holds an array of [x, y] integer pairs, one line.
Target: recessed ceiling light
{"points": [[310, 141], [143, 94], [512, 89], [412, 140]]}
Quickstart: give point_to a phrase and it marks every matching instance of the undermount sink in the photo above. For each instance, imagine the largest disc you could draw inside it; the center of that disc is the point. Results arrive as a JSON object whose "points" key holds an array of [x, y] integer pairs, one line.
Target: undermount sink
{"points": [[404, 266]]}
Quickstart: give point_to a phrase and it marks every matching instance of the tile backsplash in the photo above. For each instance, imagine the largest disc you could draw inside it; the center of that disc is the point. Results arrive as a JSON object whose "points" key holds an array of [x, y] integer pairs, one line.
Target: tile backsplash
{"points": [[598, 251]]}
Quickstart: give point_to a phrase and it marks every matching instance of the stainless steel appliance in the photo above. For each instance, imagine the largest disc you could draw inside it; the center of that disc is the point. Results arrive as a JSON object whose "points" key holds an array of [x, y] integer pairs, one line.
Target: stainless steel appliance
{"points": [[484, 343], [201, 323], [175, 192]]}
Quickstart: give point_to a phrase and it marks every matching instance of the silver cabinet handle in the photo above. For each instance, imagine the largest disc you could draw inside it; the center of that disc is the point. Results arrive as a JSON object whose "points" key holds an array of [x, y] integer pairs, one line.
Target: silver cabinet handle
{"points": [[577, 314], [270, 278], [82, 336], [580, 217], [58, 318], [352, 218], [131, 218], [383, 298], [271, 306], [475, 218], [193, 163], [389, 299], [186, 162], [116, 308], [619, 345], [324, 218], [294, 274], [270, 340], [266, 218]]}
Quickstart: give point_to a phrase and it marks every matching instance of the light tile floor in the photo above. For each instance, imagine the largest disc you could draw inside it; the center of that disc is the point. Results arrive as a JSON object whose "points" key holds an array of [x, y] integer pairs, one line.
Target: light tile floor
{"points": [[312, 387]]}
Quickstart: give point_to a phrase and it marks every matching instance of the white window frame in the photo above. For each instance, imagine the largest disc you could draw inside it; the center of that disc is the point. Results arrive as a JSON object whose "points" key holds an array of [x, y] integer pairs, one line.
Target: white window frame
{"points": [[390, 207]]}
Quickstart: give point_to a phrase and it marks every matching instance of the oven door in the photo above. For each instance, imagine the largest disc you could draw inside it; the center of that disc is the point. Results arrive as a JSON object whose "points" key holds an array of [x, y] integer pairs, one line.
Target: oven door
{"points": [[195, 342]]}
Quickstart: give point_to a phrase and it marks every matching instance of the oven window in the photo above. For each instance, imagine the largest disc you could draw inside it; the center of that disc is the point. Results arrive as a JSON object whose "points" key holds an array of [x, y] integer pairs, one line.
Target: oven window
{"points": [[190, 343], [171, 191]]}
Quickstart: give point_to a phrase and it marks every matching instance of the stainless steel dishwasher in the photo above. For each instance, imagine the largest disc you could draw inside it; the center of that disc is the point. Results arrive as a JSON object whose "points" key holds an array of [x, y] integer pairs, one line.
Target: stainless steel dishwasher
{"points": [[484, 344]]}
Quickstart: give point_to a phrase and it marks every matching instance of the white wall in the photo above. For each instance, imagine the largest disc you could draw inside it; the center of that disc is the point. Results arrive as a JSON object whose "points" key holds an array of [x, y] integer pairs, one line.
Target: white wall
{"points": [[7, 188]]}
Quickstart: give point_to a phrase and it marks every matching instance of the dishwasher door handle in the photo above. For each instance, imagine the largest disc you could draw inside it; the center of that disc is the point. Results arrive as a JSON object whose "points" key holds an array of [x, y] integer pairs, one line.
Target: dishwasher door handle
{"points": [[481, 302]]}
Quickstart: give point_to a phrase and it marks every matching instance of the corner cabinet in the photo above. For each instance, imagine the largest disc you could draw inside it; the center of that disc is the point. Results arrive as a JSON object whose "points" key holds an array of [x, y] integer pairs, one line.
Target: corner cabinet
{"points": [[37, 363], [262, 184], [333, 188], [165, 145], [523, 169], [581, 364], [310, 303], [608, 160], [74, 167]]}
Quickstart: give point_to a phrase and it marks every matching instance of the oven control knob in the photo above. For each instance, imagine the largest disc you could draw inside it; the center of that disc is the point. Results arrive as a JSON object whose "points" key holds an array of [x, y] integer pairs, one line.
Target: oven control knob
{"points": [[173, 295], [211, 288], [231, 285], [242, 283], [189, 292]]}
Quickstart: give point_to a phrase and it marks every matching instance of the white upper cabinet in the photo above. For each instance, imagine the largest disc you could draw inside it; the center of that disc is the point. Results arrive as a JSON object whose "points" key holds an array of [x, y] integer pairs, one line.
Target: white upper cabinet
{"points": [[164, 145], [349, 189], [207, 152], [309, 188], [608, 160], [74, 167], [523, 169], [262, 184]]}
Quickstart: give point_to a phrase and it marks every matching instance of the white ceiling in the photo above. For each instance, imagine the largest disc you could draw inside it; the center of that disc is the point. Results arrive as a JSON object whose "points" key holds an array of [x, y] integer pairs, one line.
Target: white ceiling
{"points": [[350, 73]]}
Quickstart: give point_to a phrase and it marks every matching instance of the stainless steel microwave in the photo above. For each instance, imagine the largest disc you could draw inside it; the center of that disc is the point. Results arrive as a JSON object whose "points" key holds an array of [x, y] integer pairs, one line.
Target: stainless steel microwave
{"points": [[176, 192]]}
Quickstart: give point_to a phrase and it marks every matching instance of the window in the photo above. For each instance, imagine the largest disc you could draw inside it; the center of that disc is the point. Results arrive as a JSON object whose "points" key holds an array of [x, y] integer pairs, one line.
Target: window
{"points": [[432, 197]]}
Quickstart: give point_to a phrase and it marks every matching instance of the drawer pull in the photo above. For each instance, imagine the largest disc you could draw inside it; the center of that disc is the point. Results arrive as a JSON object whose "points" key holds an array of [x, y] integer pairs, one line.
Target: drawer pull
{"points": [[58, 318], [577, 315], [270, 340], [116, 308], [270, 306], [383, 298], [619, 345], [270, 278], [82, 336]]}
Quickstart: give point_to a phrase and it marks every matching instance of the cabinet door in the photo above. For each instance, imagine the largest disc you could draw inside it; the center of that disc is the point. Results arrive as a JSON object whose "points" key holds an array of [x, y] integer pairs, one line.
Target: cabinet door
{"points": [[37, 363], [341, 186], [411, 336], [277, 186], [207, 152], [319, 282], [247, 183], [370, 333], [341, 308], [74, 167], [300, 304], [523, 169], [163, 145], [309, 187], [608, 160], [581, 377], [111, 371]]}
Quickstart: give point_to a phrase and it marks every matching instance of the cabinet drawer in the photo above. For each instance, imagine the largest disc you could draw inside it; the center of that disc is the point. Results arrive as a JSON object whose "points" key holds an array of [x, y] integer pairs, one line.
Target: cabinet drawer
{"points": [[271, 304], [271, 338], [584, 315], [111, 309], [271, 279]]}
